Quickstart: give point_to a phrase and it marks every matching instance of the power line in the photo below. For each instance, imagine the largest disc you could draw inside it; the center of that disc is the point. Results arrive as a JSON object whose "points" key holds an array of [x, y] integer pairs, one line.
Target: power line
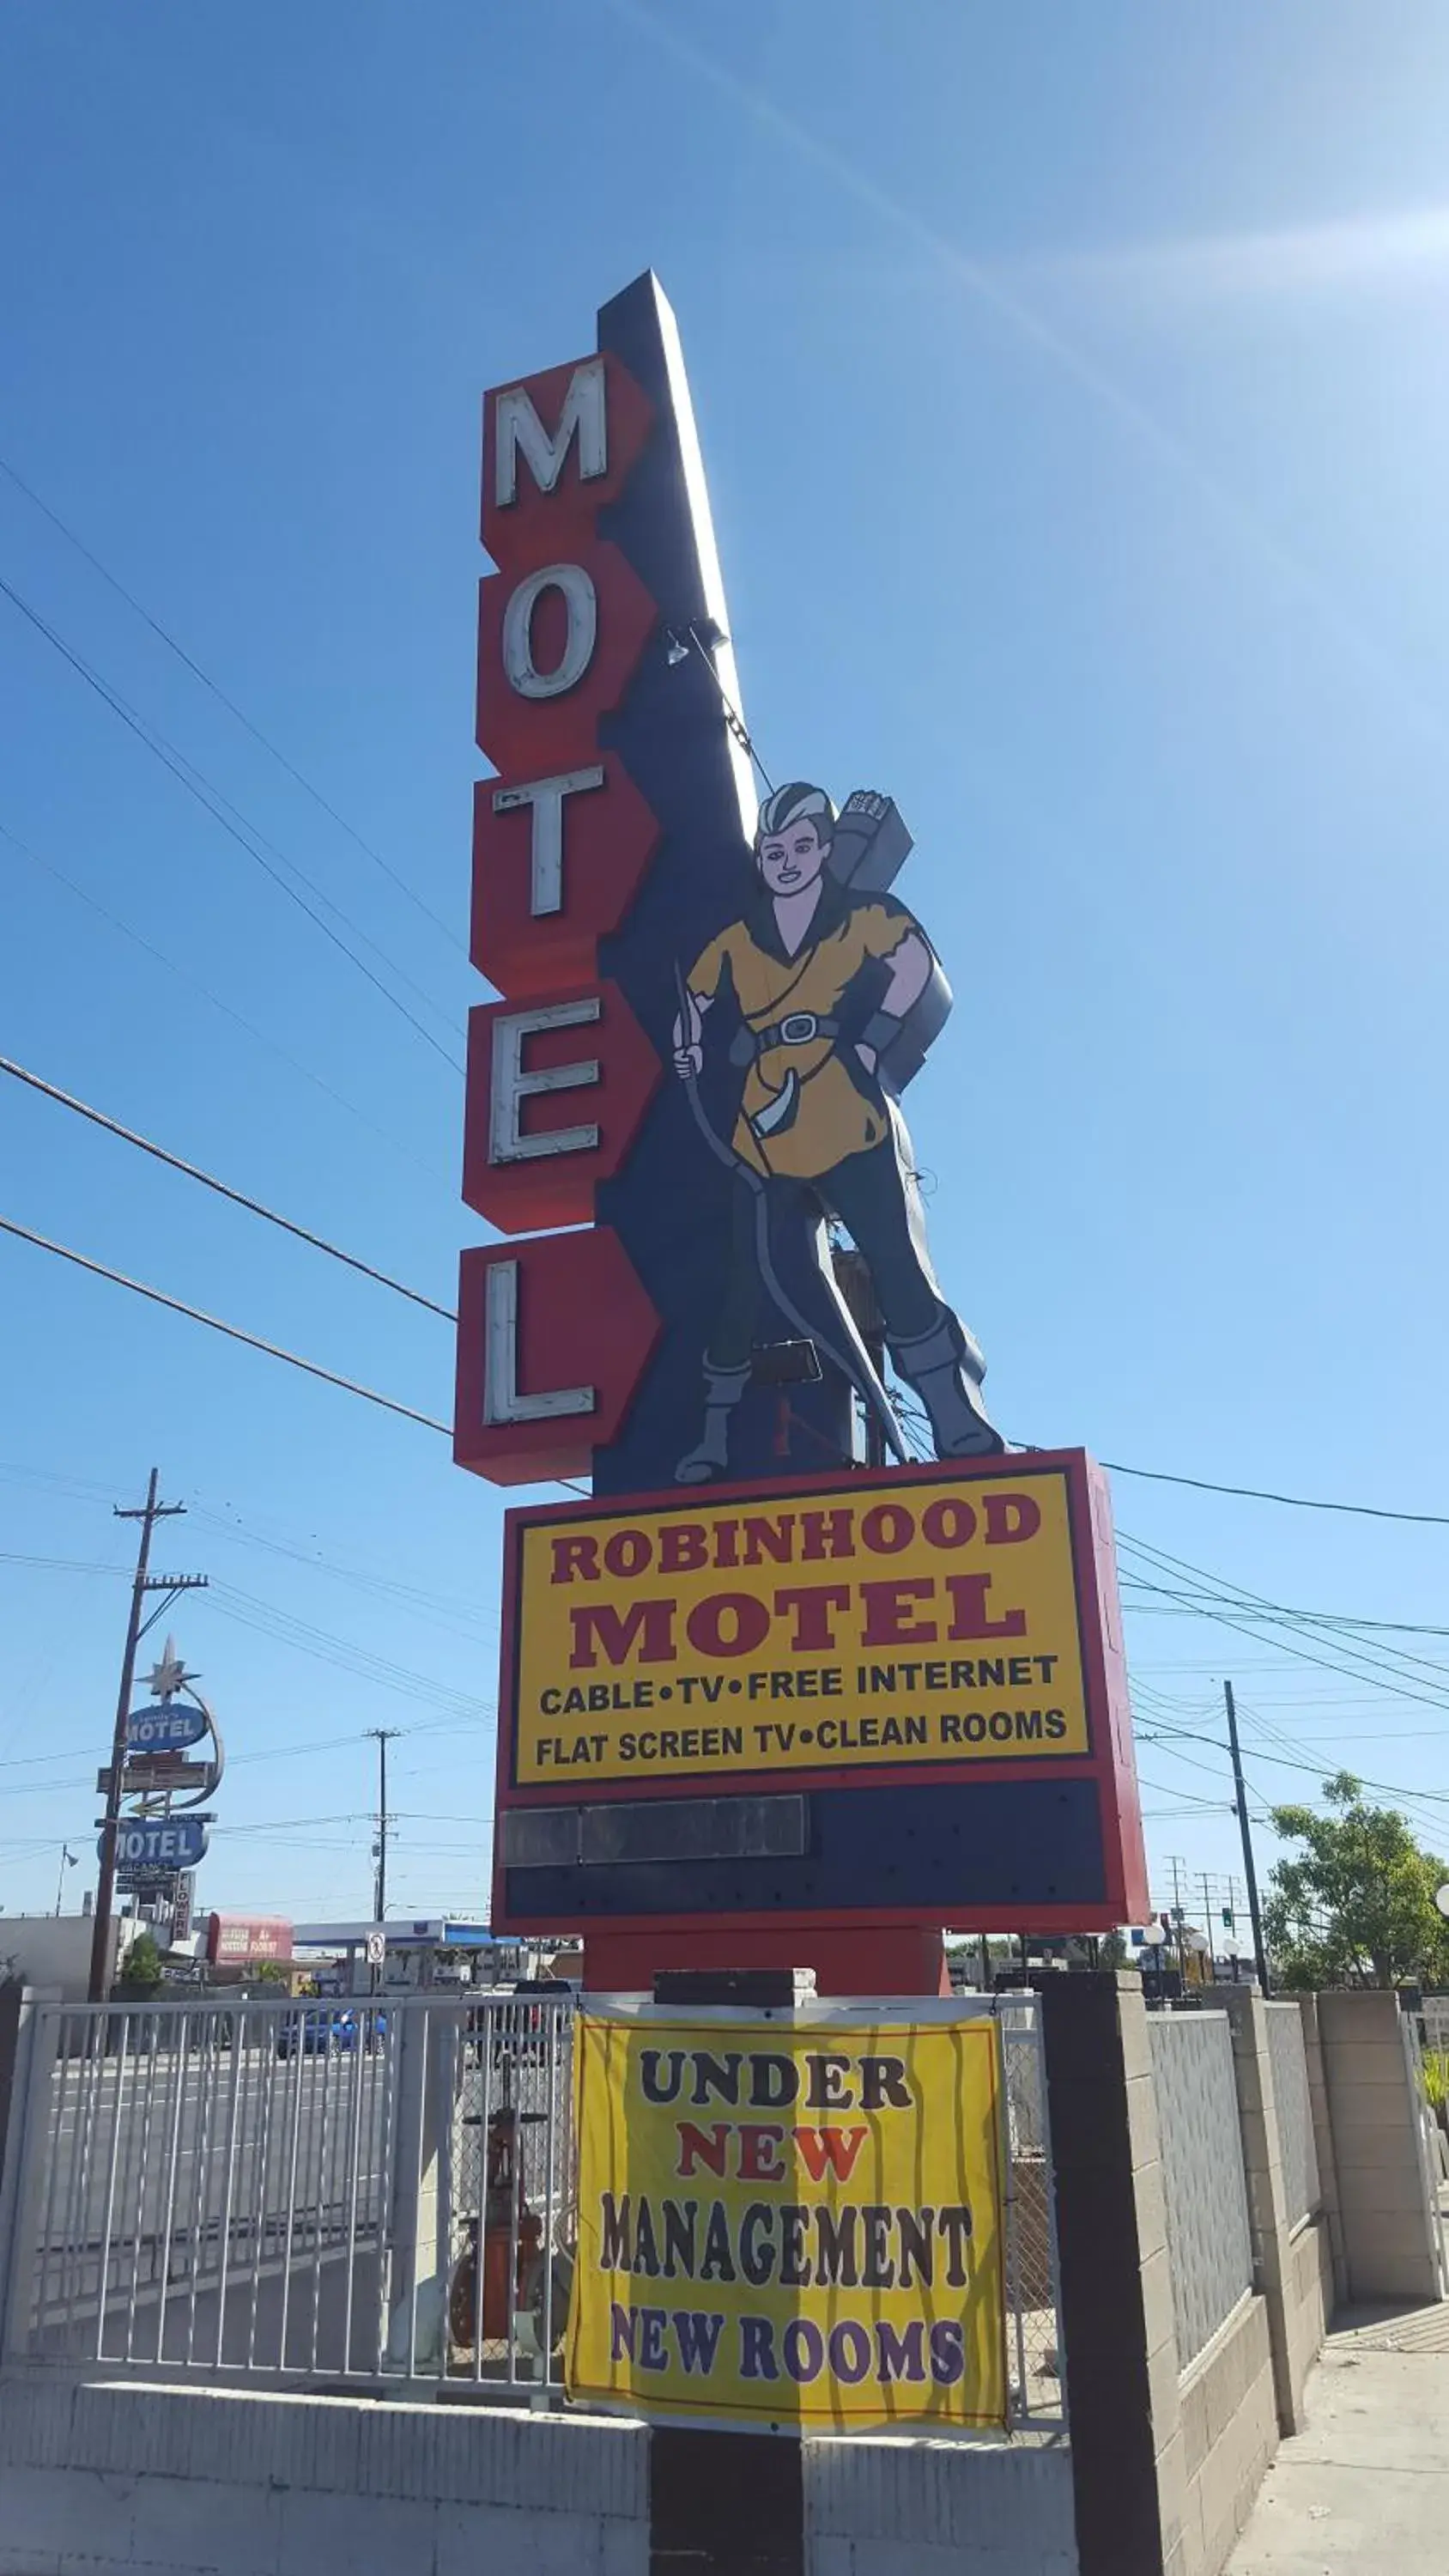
{"points": [[184, 975], [60, 1564], [442, 1609], [361, 1660], [1335, 1625], [234, 1332], [1261, 1494], [236, 825], [1397, 1689], [219, 693], [1286, 1762], [1373, 1652], [1369, 1659], [223, 1189]]}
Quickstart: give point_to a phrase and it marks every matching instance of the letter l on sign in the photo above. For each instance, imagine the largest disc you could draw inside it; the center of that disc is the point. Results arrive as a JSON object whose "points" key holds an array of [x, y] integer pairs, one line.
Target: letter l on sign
{"points": [[554, 1333], [502, 1401]]}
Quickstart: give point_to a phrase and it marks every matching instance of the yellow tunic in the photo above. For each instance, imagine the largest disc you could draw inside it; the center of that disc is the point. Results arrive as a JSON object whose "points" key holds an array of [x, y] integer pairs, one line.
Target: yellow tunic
{"points": [[834, 1117]]}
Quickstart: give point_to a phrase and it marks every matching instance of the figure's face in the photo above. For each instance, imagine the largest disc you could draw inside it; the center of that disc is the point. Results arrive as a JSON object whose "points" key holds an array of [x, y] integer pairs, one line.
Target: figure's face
{"points": [[791, 860]]}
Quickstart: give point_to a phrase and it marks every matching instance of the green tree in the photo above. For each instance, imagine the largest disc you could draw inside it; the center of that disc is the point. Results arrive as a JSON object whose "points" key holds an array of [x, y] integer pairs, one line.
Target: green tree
{"points": [[1354, 1906], [141, 1967]]}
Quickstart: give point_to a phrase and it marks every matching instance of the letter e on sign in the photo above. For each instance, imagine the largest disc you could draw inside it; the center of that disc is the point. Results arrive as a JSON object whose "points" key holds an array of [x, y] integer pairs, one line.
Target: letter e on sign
{"points": [[557, 1087]]}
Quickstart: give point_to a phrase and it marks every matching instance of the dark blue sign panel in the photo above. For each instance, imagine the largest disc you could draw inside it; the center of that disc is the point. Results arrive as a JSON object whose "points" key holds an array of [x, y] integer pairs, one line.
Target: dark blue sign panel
{"points": [[793, 997], [159, 1842], [165, 1729]]}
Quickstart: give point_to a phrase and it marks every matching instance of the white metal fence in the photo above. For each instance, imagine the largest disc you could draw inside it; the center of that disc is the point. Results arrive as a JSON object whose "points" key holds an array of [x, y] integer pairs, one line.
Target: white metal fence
{"points": [[376, 2192]]}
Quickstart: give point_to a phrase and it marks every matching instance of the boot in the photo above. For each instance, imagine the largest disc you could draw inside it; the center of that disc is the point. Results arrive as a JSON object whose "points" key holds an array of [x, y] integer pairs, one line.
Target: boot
{"points": [[709, 1457], [945, 1368]]}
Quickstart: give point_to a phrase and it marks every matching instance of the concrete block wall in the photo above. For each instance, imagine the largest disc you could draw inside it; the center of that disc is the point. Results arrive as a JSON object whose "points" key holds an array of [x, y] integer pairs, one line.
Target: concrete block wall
{"points": [[1292, 2264], [1129, 2468], [115, 2478], [1309, 2301], [1388, 2225], [1329, 2211], [139, 2479], [1230, 2433], [1165, 2461], [932, 2508]]}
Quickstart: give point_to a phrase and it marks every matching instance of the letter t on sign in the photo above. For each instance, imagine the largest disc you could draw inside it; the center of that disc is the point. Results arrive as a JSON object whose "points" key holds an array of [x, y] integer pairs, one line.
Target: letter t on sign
{"points": [[546, 797]]}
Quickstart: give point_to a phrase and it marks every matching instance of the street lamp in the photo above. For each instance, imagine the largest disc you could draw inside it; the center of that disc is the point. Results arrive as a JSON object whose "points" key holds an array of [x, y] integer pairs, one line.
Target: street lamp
{"points": [[68, 1860]]}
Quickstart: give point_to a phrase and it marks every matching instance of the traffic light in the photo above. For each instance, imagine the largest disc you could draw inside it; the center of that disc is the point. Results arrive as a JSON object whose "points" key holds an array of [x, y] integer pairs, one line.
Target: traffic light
{"points": [[1227, 1918]]}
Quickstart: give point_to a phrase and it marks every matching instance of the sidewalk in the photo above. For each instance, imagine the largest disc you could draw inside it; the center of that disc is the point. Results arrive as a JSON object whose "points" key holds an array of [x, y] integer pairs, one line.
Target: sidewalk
{"points": [[1365, 2491]]}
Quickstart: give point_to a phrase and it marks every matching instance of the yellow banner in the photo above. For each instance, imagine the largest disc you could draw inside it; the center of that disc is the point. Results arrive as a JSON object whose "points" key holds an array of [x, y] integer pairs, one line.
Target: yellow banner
{"points": [[790, 2224], [840, 1627]]}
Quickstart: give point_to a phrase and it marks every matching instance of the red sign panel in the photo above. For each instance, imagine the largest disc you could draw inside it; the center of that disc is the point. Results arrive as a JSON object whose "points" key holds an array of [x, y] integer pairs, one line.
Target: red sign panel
{"points": [[556, 1090], [557, 647], [557, 448], [557, 862], [233, 1939], [553, 1336]]}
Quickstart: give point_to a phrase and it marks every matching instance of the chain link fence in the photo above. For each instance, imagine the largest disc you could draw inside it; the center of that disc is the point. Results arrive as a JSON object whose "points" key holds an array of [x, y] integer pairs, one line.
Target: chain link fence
{"points": [[1034, 2343]]}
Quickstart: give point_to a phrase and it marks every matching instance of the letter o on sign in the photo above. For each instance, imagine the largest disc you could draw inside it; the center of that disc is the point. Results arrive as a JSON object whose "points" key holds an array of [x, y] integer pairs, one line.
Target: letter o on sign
{"points": [[849, 2350], [728, 1623], [949, 1522], [581, 603]]}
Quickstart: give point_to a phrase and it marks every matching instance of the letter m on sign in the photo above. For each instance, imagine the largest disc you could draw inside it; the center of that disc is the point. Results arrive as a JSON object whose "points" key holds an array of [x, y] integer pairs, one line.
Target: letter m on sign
{"points": [[583, 413], [555, 449]]}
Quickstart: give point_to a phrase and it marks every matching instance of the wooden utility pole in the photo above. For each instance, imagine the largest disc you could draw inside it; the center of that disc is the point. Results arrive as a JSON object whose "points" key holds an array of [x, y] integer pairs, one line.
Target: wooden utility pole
{"points": [[382, 1736], [149, 1514], [1260, 1954]]}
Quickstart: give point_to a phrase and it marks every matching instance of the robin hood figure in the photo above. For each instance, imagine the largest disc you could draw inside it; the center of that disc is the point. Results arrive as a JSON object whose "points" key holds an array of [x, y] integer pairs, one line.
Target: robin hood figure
{"points": [[824, 980]]}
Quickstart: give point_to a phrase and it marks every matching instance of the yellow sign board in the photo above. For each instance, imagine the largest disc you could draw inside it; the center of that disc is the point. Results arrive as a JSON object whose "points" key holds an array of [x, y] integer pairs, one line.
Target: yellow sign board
{"points": [[790, 2224], [826, 1629]]}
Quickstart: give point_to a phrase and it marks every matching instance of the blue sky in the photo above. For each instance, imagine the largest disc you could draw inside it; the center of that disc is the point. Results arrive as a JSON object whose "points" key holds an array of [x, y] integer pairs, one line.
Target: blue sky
{"points": [[1074, 388]]}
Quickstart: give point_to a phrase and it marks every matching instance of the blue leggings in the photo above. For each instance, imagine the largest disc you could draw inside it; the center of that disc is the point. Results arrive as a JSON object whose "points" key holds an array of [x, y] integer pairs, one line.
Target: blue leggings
{"points": [[868, 1194]]}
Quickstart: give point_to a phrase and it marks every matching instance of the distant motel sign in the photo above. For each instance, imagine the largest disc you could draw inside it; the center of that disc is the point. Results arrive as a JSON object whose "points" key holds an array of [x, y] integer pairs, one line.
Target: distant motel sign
{"points": [[697, 1689], [165, 1727], [159, 1842]]}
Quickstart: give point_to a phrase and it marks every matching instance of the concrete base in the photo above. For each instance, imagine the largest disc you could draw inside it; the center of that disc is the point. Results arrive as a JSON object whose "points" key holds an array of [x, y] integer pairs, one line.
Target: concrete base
{"points": [[938, 2509], [104, 2479], [139, 2479]]}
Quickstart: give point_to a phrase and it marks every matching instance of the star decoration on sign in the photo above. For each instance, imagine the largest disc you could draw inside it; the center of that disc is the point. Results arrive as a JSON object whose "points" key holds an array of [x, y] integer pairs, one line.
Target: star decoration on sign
{"points": [[170, 1675]]}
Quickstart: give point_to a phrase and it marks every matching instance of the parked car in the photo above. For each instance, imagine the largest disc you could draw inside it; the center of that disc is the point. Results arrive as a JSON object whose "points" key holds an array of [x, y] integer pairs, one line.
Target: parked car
{"points": [[323, 2031]]}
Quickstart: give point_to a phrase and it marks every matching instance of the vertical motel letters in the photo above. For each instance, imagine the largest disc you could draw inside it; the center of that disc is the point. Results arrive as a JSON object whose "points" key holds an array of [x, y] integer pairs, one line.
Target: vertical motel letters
{"points": [[559, 1071]]}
